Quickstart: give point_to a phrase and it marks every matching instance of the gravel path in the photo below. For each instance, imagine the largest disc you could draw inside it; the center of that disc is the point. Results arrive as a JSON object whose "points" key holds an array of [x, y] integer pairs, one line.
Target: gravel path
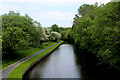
{"points": [[7, 70]]}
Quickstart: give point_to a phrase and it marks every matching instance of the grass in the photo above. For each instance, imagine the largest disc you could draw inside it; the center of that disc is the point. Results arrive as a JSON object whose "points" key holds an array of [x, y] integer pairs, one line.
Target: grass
{"points": [[24, 53], [18, 71]]}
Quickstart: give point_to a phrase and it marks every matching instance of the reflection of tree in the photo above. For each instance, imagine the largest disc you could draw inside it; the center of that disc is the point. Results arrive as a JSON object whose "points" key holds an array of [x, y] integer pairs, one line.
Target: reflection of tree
{"points": [[86, 62], [89, 67]]}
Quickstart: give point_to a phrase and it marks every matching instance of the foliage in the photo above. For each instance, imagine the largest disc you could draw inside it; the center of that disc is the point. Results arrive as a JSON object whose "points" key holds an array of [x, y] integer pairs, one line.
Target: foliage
{"points": [[0, 34], [18, 71], [96, 28], [55, 36], [24, 53], [55, 28], [65, 33], [50, 35], [19, 32], [46, 33]]}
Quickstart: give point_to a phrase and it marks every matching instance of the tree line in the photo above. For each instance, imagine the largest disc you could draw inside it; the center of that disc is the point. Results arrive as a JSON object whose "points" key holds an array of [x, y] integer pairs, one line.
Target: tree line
{"points": [[22, 32], [97, 30]]}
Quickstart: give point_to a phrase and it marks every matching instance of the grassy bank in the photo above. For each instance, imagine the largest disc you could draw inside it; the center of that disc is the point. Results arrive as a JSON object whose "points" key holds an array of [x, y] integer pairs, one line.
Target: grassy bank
{"points": [[24, 53], [18, 71]]}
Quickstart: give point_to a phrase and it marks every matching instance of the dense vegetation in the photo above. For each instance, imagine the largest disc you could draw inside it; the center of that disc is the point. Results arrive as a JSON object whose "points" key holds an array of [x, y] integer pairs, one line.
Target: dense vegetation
{"points": [[97, 29], [55, 28], [22, 32], [19, 32]]}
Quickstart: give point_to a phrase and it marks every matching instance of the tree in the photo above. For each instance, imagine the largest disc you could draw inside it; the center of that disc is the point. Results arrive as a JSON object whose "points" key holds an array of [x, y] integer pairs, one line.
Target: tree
{"points": [[56, 36], [55, 28], [96, 29], [19, 33]]}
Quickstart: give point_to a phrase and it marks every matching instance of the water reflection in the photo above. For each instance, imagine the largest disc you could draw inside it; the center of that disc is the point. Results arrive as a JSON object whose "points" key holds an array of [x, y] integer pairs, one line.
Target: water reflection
{"points": [[60, 64], [90, 69], [70, 62]]}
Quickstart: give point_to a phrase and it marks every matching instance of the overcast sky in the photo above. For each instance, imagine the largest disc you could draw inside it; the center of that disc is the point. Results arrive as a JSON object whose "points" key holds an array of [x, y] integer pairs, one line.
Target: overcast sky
{"points": [[47, 12]]}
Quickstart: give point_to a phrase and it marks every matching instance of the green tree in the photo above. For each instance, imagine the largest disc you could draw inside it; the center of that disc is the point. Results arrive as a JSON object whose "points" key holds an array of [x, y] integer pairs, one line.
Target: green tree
{"points": [[55, 28], [96, 29], [19, 32]]}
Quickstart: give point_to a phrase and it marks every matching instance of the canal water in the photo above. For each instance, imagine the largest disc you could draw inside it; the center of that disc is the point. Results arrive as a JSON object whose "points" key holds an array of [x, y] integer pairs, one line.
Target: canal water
{"points": [[69, 62]]}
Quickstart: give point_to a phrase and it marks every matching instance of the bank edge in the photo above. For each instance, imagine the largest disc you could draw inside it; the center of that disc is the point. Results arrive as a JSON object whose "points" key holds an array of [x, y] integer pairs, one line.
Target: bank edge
{"points": [[26, 66]]}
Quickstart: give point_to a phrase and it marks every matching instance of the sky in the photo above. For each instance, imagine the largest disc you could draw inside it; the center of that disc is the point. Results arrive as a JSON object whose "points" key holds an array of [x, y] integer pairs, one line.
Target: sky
{"points": [[47, 12]]}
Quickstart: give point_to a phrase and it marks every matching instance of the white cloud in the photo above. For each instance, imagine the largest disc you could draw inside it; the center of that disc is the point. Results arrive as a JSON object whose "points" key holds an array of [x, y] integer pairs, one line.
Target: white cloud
{"points": [[47, 17], [54, 17], [6, 8], [0, 7], [58, 2]]}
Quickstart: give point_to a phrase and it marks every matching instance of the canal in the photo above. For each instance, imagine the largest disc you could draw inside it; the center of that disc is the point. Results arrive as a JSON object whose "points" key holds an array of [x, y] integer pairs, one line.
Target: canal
{"points": [[69, 62]]}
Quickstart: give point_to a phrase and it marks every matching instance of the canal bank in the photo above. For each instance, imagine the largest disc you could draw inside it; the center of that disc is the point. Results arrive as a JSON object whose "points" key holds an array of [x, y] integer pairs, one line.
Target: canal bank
{"points": [[68, 61], [38, 60], [19, 70], [60, 64]]}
